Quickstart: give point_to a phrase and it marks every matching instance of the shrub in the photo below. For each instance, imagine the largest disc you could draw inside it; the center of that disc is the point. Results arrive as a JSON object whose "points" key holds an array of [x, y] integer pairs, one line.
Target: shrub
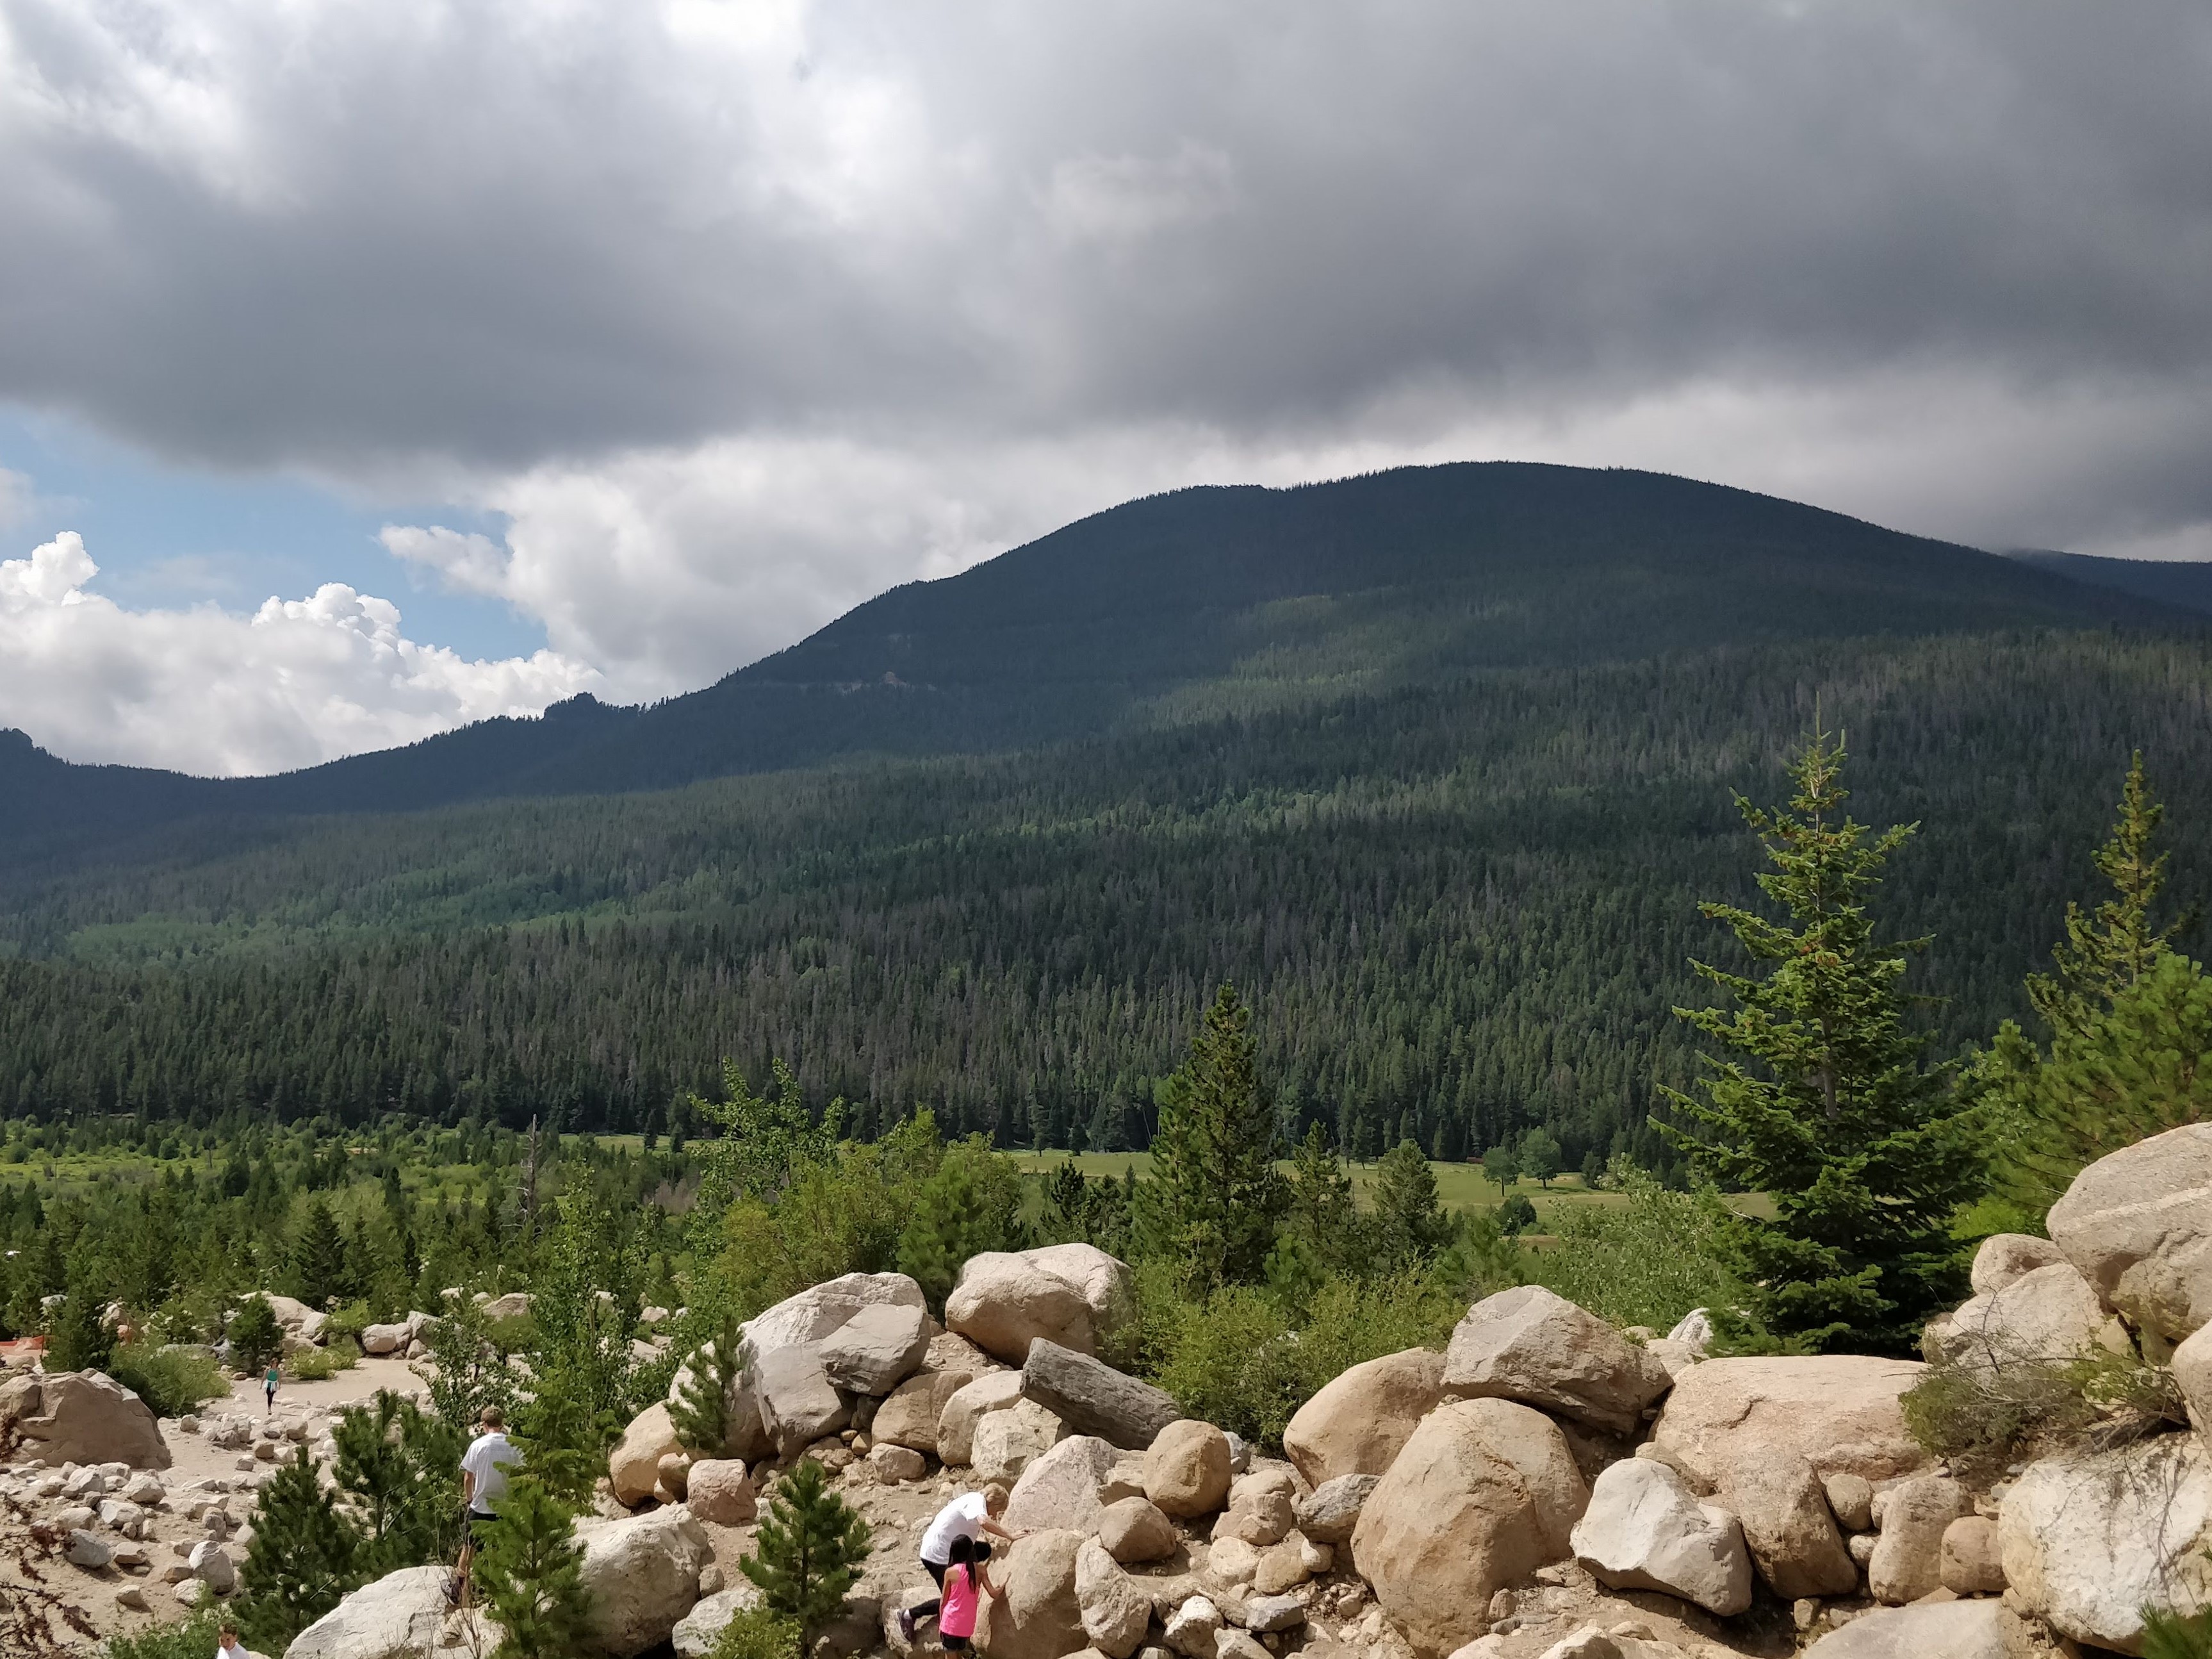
{"points": [[171, 1381], [303, 1558], [1981, 1417], [756, 1633], [313, 1364], [348, 1321], [1646, 1262], [530, 1568], [194, 1639], [973, 1203], [2170, 1635]]}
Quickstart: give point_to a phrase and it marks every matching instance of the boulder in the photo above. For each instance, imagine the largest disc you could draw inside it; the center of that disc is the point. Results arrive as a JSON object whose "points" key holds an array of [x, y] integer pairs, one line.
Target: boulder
{"points": [[641, 1573], [1947, 1630], [1271, 1615], [1107, 1286], [1059, 1489], [291, 1313], [1003, 1301], [85, 1550], [513, 1305], [1007, 1442], [718, 1490], [1231, 1563], [1355, 1423], [1908, 1558], [698, 1631], [1971, 1564], [1483, 1493], [1190, 1630], [1257, 1517], [909, 1416], [1329, 1513], [803, 1321], [1587, 1643], [1093, 1398], [377, 1340], [2004, 1257], [1115, 1612], [876, 1348], [2088, 1542], [895, 1466], [1851, 1500], [402, 1615], [798, 1403], [212, 1565], [2137, 1224], [1133, 1530], [2049, 1315], [950, 1351], [1778, 1500], [81, 1417], [1187, 1469], [1646, 1530], [675, 1475], [1837, 1412], [1038, 1615], [634, 1464], [995, 1391], [1533, 1345]]}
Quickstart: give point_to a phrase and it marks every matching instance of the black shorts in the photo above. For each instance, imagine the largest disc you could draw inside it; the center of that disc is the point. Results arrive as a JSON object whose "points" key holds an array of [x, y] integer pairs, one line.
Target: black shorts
{"points": [[479, 1521], [952, 1643]]}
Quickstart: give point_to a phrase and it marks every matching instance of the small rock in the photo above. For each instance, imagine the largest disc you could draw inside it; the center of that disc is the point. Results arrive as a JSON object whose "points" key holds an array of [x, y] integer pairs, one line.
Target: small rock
{"points": [[212, 1564], [88, 1551], [712, 1580], [897, 1465], [1230, 1643], [1266, 1615], [1587, 1643], [1804, 1612], [1850, 1496], [193, 1592], [1190, 1629], [1971, 1565], [132, 1597]]}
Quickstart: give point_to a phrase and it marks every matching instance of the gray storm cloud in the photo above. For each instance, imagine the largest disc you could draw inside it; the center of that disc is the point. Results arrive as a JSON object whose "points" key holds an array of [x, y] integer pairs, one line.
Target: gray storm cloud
{"points": [[659, 282]]}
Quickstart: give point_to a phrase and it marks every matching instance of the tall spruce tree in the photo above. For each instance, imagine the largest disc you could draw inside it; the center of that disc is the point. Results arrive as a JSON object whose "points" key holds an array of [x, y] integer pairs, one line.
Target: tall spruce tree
{"points": [[319, 1256], [699, 1409], [1214, 1195], [2128, 1016], [1409, 1226], [1829, 1108], [809, 1550]]}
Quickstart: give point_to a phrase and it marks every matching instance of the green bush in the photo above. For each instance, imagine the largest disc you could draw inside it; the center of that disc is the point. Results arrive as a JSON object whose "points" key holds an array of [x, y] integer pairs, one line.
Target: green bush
{"points": [[256, 1337], [756, 1633], [313, 1364], [1647, 1262], [194, 1639], [171, 1381], [348, 1321], [1980, 1417]]}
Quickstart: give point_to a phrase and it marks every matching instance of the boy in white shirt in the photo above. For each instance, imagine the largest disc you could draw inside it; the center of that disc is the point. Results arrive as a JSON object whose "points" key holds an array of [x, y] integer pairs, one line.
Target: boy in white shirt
{"points": [[484, 1479]]}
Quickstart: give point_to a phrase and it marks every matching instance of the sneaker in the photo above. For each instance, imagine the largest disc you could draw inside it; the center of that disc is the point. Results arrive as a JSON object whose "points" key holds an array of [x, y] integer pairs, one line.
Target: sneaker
{"points": [[906, 1623]]}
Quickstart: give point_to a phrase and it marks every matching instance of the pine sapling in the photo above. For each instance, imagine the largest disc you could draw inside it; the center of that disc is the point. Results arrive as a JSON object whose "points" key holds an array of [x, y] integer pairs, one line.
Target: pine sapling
{"points": [[700, 1409], [809, 1550], [531, 1572], [304, 1556]]}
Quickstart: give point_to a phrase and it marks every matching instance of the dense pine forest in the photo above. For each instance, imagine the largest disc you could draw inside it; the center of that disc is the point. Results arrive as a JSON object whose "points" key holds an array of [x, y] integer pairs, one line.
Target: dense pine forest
{"points": [[1460, 910]]}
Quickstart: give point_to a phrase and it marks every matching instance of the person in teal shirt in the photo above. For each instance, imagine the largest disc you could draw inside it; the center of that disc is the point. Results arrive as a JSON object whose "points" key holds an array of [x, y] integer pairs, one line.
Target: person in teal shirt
{"points": [[269, 1389]]}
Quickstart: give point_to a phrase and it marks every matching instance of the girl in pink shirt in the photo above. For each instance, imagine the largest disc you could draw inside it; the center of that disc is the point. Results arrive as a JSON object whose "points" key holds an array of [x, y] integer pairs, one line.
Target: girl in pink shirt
{"points": [[963, 1579]]}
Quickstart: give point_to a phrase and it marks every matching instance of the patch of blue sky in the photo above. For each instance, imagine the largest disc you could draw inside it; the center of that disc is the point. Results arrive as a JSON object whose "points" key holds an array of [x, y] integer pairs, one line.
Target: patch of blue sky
{"points": [[167, 537]]}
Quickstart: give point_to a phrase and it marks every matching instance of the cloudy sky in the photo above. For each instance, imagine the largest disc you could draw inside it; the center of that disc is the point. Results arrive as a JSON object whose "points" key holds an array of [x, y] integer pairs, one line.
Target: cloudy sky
{"points": [[369, 366]]}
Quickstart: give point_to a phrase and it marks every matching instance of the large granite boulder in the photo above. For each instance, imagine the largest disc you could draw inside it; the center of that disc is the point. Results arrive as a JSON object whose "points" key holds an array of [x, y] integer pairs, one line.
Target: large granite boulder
{"points": [[698, 1631], [718, 1490], [1646, 1530], [968, 1405], [1533, 1345], [909, 1416], [1039, 1615], [634, 1464], [1059, 1489], [1006, 1443], [2004, 1257], [402, 1615], [1782, 1507], [1946, 1630], [2045, 1315], [2137, 1224], [876, 1348], [1116, 1612], [81, 1417], [1355, 1423], [1093, 1398], [1483, 1493], [799, 1404], [2088, 1542], [1134, 1530], [803, 1321], [1908, 1558], [1070, 1294], [641, 1575], [1187, 1469], [1838, 1412]]}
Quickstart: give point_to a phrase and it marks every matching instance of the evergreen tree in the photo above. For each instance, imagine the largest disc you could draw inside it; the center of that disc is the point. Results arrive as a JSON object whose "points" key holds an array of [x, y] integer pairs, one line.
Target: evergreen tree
{"points": [[700, 1409], [2126, 1016], [1214, 1195], [809, 1550], [304, 1558], [399, 1466], [319, 1256], [973, 1203], [255, 1336], [1864, 1148], [1318, 1207], [530, 1570], [79, 1339], [1410, 1225]]}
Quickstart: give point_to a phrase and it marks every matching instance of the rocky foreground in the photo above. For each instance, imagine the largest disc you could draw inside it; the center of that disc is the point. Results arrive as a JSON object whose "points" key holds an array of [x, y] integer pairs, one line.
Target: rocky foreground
{"points": [[1547, 1488]]}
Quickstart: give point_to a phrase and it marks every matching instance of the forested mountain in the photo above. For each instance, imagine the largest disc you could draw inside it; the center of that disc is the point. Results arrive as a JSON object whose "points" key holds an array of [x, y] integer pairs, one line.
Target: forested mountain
{"points": [[1405, 578], [1437, 765], [2178, 582]]}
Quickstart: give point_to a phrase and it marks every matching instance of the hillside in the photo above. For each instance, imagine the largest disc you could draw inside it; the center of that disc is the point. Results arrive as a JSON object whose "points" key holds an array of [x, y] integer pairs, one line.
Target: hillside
{"points": [[1448, 821], [1201, 600]]}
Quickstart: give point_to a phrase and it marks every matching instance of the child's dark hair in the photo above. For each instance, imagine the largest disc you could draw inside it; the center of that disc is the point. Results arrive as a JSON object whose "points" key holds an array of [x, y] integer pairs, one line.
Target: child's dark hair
{"points": [[963, 1550]]}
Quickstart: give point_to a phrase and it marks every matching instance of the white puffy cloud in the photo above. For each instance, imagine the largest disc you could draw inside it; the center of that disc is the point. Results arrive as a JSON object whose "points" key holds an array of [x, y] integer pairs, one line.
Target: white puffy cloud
{"points": [[211, 691]]}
